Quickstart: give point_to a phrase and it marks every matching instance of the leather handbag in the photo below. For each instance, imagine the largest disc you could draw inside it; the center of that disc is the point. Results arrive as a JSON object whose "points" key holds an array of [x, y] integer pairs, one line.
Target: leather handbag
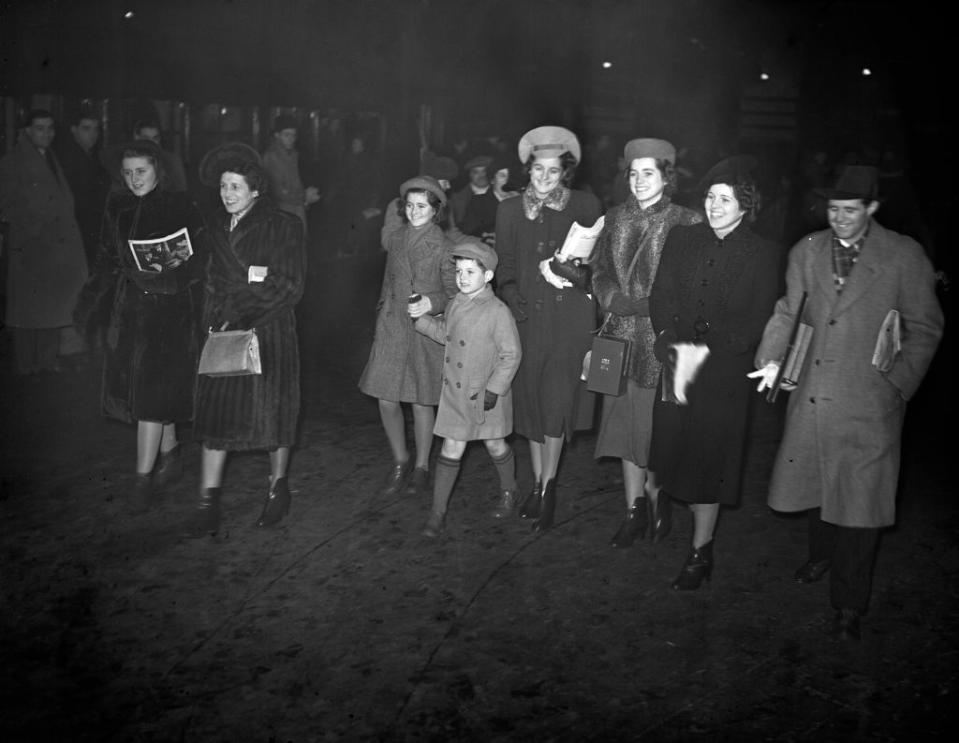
{"points": [[230, 353], [608, 360]]}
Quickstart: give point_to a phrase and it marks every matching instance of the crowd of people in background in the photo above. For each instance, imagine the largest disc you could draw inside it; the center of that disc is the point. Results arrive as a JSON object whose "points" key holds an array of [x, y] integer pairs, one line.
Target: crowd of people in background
{"points": [[483, 324]]}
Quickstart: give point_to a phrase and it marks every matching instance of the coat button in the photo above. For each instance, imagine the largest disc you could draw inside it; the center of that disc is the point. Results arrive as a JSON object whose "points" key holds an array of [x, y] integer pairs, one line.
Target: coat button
{"points": [[832, 322], [462, 343], [459, 364], [559, 297], [812, 400], [817, 362], [458, 385]]}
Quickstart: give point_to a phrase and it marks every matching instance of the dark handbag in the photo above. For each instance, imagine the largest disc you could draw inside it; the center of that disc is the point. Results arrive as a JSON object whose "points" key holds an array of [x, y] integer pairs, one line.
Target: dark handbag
{"points": [[230, 353], [608, 361]]}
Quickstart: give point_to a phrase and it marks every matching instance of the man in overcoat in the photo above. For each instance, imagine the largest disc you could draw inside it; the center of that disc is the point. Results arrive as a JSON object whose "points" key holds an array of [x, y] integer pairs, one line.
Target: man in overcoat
{"points": [[840, 451], [47, 265]]}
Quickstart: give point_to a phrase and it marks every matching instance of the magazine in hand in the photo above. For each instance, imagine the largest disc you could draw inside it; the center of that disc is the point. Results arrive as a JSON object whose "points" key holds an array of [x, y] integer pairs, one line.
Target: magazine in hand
{"points": [[888, 342], [160, 254], [580, 240]]}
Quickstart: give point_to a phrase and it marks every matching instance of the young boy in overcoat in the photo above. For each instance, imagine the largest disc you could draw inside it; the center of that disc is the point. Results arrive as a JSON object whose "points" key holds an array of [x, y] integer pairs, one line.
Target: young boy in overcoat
{"points": [[482, 355]]}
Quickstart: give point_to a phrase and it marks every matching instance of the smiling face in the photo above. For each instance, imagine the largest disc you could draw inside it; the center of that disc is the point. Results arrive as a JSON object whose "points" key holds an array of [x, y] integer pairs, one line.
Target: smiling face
{"points": [[849, 218], [419, 210], [470, 278], [723, 209], [646, 181], [140, 175], [500, 178], [545, 175], [235, 193]]}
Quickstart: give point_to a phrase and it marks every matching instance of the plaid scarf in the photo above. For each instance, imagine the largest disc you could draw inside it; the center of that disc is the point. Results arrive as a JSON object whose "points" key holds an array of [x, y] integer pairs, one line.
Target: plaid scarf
{"points": [[844, 257], [557, 199]]}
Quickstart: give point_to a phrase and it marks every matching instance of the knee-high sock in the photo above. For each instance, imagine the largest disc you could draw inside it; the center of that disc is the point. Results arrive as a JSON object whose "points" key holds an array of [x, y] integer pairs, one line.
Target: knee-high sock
{"points": [[506, 469], [443, 481]]}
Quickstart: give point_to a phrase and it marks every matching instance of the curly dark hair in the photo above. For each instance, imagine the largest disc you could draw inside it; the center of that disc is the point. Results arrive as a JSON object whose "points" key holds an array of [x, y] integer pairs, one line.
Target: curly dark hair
{"points": [[567, 160], [746, 191], [667, 170], [431, 197], [252, 172]]}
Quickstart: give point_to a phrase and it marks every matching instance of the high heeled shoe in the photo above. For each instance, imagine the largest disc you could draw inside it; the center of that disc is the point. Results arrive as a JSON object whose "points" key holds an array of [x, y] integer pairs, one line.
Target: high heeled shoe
{"points": [[660, 517], [398, 478], [547, 507], [205, 520], [531, 506], [697, 568], [633, 526], [276, 505]]}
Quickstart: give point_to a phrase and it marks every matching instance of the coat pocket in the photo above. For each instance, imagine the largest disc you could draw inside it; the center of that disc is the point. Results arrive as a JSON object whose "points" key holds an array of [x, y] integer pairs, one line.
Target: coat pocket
{"points": [[475, 399]]}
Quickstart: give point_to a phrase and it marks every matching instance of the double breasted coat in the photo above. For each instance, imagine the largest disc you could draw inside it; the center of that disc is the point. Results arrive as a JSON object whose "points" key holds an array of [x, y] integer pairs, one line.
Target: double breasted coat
{"points": [[549, 397], [256, 411], [405, 366], [47, 264], [841, 445], [482, 352], [719, 292]]}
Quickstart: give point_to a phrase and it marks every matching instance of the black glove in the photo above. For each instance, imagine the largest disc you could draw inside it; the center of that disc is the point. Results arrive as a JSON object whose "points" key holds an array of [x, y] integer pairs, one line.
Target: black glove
{"points": [[573, 271], [620, 304], [661, 346], [515, 301], [489, 401]]}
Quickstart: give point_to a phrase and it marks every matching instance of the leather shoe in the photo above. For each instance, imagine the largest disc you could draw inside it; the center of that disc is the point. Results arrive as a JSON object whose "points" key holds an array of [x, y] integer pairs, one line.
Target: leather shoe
{"points": [[847, 625], [530, 507], [505, 505], [697, 568], [276, 505], [633, 526], [205, 520], [660, 517], [547, 507], [435, 525], [169, 468], [812, 571], [419, 481], [396, 481], [141, 497]]}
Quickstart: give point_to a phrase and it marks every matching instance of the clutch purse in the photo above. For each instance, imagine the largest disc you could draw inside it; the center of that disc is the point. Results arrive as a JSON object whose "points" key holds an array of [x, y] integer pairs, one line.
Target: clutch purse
{"points": [[230, 353]]}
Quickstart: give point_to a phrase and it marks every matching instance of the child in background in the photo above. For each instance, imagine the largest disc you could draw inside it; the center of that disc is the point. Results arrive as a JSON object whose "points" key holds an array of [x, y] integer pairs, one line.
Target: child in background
{"points": [[482, 355]]}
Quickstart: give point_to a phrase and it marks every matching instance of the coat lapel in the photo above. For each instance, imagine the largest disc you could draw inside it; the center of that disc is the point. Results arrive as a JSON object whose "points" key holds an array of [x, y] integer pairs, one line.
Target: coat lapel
{"points": [[864, 274]]}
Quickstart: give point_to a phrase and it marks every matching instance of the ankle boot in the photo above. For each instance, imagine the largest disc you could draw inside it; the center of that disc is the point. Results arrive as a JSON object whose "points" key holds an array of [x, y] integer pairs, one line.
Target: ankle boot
{"points": [[435, 525], [505, 506], [547, 507], [169, 468], [141, 495], [206, 516], [698, 567], [633, 526], [276, 505], [660, 517], [531, 506]]}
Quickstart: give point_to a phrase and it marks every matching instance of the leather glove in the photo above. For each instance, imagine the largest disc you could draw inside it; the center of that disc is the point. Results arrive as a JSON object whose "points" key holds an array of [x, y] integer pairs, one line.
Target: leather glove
{"points": [[620, 304], [551, 278], [489, 401], [574, 272], [516, 302]]}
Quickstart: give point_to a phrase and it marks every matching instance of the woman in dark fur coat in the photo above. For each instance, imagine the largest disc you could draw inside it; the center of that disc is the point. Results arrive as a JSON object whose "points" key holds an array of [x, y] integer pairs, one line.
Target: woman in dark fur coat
{"points": [[151, 345], [255, 280]]}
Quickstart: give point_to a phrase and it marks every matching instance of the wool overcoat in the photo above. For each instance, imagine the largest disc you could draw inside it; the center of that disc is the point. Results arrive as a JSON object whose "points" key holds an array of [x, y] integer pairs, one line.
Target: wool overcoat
{"points": [[549, 397], [841, 445], [257, 411], [152, 339], [482, 352], [719, 292], [405, 366], [47, 263]]}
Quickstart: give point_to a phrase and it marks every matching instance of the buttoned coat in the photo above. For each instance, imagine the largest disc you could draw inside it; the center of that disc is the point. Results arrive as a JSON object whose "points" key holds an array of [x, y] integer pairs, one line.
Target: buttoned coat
{"points": [[482, 352], [405, 366], [841, 445], [47, 264]]}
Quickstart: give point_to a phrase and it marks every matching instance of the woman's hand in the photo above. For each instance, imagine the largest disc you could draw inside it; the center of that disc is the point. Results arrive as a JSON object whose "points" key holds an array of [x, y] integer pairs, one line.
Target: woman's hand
{"points": [[767, 378], [551, 278], [422, 307]]}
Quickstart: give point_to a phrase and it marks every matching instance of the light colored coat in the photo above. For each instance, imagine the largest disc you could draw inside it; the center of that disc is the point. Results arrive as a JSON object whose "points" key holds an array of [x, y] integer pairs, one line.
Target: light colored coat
{"points": [[482, 353], [48, 266], [841, 445]]}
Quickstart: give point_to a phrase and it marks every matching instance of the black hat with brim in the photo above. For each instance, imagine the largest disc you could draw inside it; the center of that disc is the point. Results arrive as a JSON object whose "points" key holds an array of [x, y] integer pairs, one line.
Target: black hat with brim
{"points": [[219, 159], [855, 182]]}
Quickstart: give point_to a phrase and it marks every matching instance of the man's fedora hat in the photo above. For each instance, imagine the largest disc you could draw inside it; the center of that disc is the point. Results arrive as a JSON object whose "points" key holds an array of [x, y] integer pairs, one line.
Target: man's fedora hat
{"points": [[854, 182]]}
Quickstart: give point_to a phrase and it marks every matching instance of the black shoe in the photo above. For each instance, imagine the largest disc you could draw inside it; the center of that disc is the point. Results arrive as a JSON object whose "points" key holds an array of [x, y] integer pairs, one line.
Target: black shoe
{"points": [[419, 481], [633, 526], [531, 506], [547, 507], [697, 568], [277, 504], [169, 469], [396, 481], [847, 625], [205, 520], [505, 506], [434, 526], [812, 571], [141, 495], [660, 517]]}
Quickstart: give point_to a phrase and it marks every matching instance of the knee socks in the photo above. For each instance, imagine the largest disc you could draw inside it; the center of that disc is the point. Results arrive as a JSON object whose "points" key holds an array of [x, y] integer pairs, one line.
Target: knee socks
{"points": [[443, 481], [506, 469]]}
